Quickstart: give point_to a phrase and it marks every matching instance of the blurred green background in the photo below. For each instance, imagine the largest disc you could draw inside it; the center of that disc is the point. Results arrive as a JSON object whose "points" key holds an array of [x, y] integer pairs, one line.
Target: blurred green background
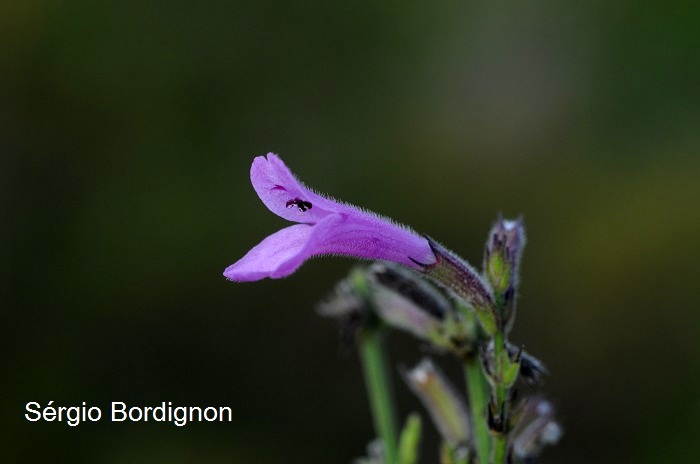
{"points": [[126, 134]]}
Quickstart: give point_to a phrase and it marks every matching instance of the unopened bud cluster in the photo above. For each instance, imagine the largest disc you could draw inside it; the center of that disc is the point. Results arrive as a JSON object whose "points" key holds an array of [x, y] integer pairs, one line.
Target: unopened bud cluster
{"points": [[403, 300], [455, 309]]}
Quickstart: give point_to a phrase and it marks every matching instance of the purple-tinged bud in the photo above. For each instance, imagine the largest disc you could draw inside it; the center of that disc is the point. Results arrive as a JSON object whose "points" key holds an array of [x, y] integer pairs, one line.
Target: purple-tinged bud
{"points": [[502, 254], [445, 406], [455, 274], [404, 300], [534, 428]]}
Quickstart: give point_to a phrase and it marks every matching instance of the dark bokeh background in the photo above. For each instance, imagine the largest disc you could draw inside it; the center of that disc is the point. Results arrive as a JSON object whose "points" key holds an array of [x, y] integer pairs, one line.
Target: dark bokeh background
{"points": [[126, 133]]}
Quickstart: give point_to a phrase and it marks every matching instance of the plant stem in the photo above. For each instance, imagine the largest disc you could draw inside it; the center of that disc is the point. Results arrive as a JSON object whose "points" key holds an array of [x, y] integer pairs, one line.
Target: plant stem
{"points": [[477, 390], [378, 384], [500, 443], [499, 449], [500, 389]]}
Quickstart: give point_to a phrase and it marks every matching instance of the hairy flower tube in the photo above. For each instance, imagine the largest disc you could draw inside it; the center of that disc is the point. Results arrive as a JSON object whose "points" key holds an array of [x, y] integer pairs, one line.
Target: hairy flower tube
{"points": [[324, 227]]}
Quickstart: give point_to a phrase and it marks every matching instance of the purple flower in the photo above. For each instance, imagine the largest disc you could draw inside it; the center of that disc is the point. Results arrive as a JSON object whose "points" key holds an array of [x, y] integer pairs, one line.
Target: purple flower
{"points": [[325, 227]]}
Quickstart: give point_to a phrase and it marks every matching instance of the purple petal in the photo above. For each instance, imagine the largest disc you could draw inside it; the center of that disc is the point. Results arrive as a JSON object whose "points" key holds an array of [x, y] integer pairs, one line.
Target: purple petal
{"points": [[281, 253], [327, 227], [284, 195], [362, 236], [367, 235]]}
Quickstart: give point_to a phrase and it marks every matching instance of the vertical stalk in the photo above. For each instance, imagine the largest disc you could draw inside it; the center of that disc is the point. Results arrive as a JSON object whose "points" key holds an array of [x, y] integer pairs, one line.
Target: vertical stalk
{"points": [[499, 449], [478, 393], [378, 383], [500, 443], [377, 377]]}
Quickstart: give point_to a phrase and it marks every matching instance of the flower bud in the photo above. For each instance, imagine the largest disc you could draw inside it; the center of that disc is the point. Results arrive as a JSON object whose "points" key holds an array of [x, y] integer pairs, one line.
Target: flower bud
{"points": [[510, 361], [534, 428], [405, 302], [446, 408], [517, 363], [501, 264]]}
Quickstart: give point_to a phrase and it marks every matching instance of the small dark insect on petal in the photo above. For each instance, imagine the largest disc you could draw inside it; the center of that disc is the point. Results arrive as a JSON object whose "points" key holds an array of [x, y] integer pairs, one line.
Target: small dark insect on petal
{"points": [[299, 203]]}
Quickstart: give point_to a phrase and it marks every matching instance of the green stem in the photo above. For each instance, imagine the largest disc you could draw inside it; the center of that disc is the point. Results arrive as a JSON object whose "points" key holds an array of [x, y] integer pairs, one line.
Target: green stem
{"points": [[477, 389], [377, 377], [500, 442], [499, 348], [379, 390], [500, 445]]}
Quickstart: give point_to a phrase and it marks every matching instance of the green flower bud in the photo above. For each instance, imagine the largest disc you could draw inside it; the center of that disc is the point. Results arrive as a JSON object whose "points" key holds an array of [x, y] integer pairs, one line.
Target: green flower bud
{"points": [[405, 301], [517, 363], [501, 264]]}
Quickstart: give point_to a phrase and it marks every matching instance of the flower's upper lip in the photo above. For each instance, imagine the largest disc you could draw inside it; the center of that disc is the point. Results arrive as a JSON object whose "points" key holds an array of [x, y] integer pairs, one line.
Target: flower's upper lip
{"points": [[277, 187]]}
